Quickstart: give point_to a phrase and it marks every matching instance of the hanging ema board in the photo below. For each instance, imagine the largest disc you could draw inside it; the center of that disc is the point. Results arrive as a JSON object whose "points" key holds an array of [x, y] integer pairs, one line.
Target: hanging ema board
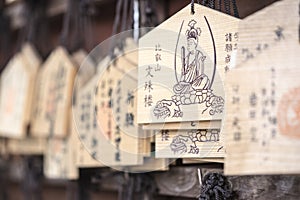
{"points": [[266, 28], [51, 115], [196, 143], [150, 164], [188, 139], [258, 89], [82, 157], [58, 163], [106, 114], [84, 126], [117, 105], [26, 146], [34, 62], [263, 115], [85, 123], [17, 83], [85, 73], [182, 64], [213, 124]]}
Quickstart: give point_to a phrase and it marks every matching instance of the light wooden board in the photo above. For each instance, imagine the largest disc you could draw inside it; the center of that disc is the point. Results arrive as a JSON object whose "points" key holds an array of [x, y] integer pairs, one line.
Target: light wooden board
{"points": [[118, 134], [38, 96], [262, 118], [34, 61], [96, 122], [214, 124], [71, 158], [84, 125], [57, 161], [150, 164], [145, 141], [182, 66], [103, 63], [189, 144], [85, 72], [202, 160], [55, 166], [17, 82], [265, 28], [86, 68], [55, 95], [84, 159], [26, 146]]}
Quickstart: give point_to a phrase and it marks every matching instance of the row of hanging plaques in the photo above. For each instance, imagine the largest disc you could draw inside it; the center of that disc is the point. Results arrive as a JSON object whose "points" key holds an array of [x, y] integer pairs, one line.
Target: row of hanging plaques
{"points": [[61, 145], [202, 86]]}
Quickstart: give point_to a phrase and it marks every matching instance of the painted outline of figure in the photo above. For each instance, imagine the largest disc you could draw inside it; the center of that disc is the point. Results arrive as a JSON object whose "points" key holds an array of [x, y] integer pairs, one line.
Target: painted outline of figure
{"points": [[192, 73], [194, 86]]}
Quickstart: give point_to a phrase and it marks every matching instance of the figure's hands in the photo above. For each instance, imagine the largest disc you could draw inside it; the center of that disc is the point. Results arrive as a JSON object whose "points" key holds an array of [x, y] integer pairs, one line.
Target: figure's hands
{"points": [[203, 58]]}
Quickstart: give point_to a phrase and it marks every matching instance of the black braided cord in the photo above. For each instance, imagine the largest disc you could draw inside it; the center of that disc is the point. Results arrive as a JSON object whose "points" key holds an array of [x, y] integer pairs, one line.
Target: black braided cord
{"points": [[235, 9], [220, 5], [227, 7], [212, 4], [193, 7], [215, 186], [299, 23]]}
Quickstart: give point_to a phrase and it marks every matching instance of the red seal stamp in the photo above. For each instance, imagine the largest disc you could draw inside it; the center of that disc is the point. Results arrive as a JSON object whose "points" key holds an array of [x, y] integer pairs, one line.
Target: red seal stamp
{"points": [[288, 113]]}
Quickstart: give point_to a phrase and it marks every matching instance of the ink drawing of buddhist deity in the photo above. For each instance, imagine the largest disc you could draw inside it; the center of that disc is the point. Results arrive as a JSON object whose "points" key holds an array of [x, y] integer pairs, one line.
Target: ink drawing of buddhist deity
{"points": [[193, 85]]}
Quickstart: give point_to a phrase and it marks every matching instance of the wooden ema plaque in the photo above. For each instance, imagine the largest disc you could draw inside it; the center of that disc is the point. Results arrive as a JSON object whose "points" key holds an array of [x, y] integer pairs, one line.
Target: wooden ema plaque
{"points": [[150, 164], [182, 64], [85, 73], [263, 115], [26, 146], [86, 86], [85, 123], [202, 160], [51, 117], [58, 161], [82, 157], [258, 90], [115, 141], [214, 124], [196, 143], [263, 30], [17, 83], [29, 145], [34, 62], [119, 137]]}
